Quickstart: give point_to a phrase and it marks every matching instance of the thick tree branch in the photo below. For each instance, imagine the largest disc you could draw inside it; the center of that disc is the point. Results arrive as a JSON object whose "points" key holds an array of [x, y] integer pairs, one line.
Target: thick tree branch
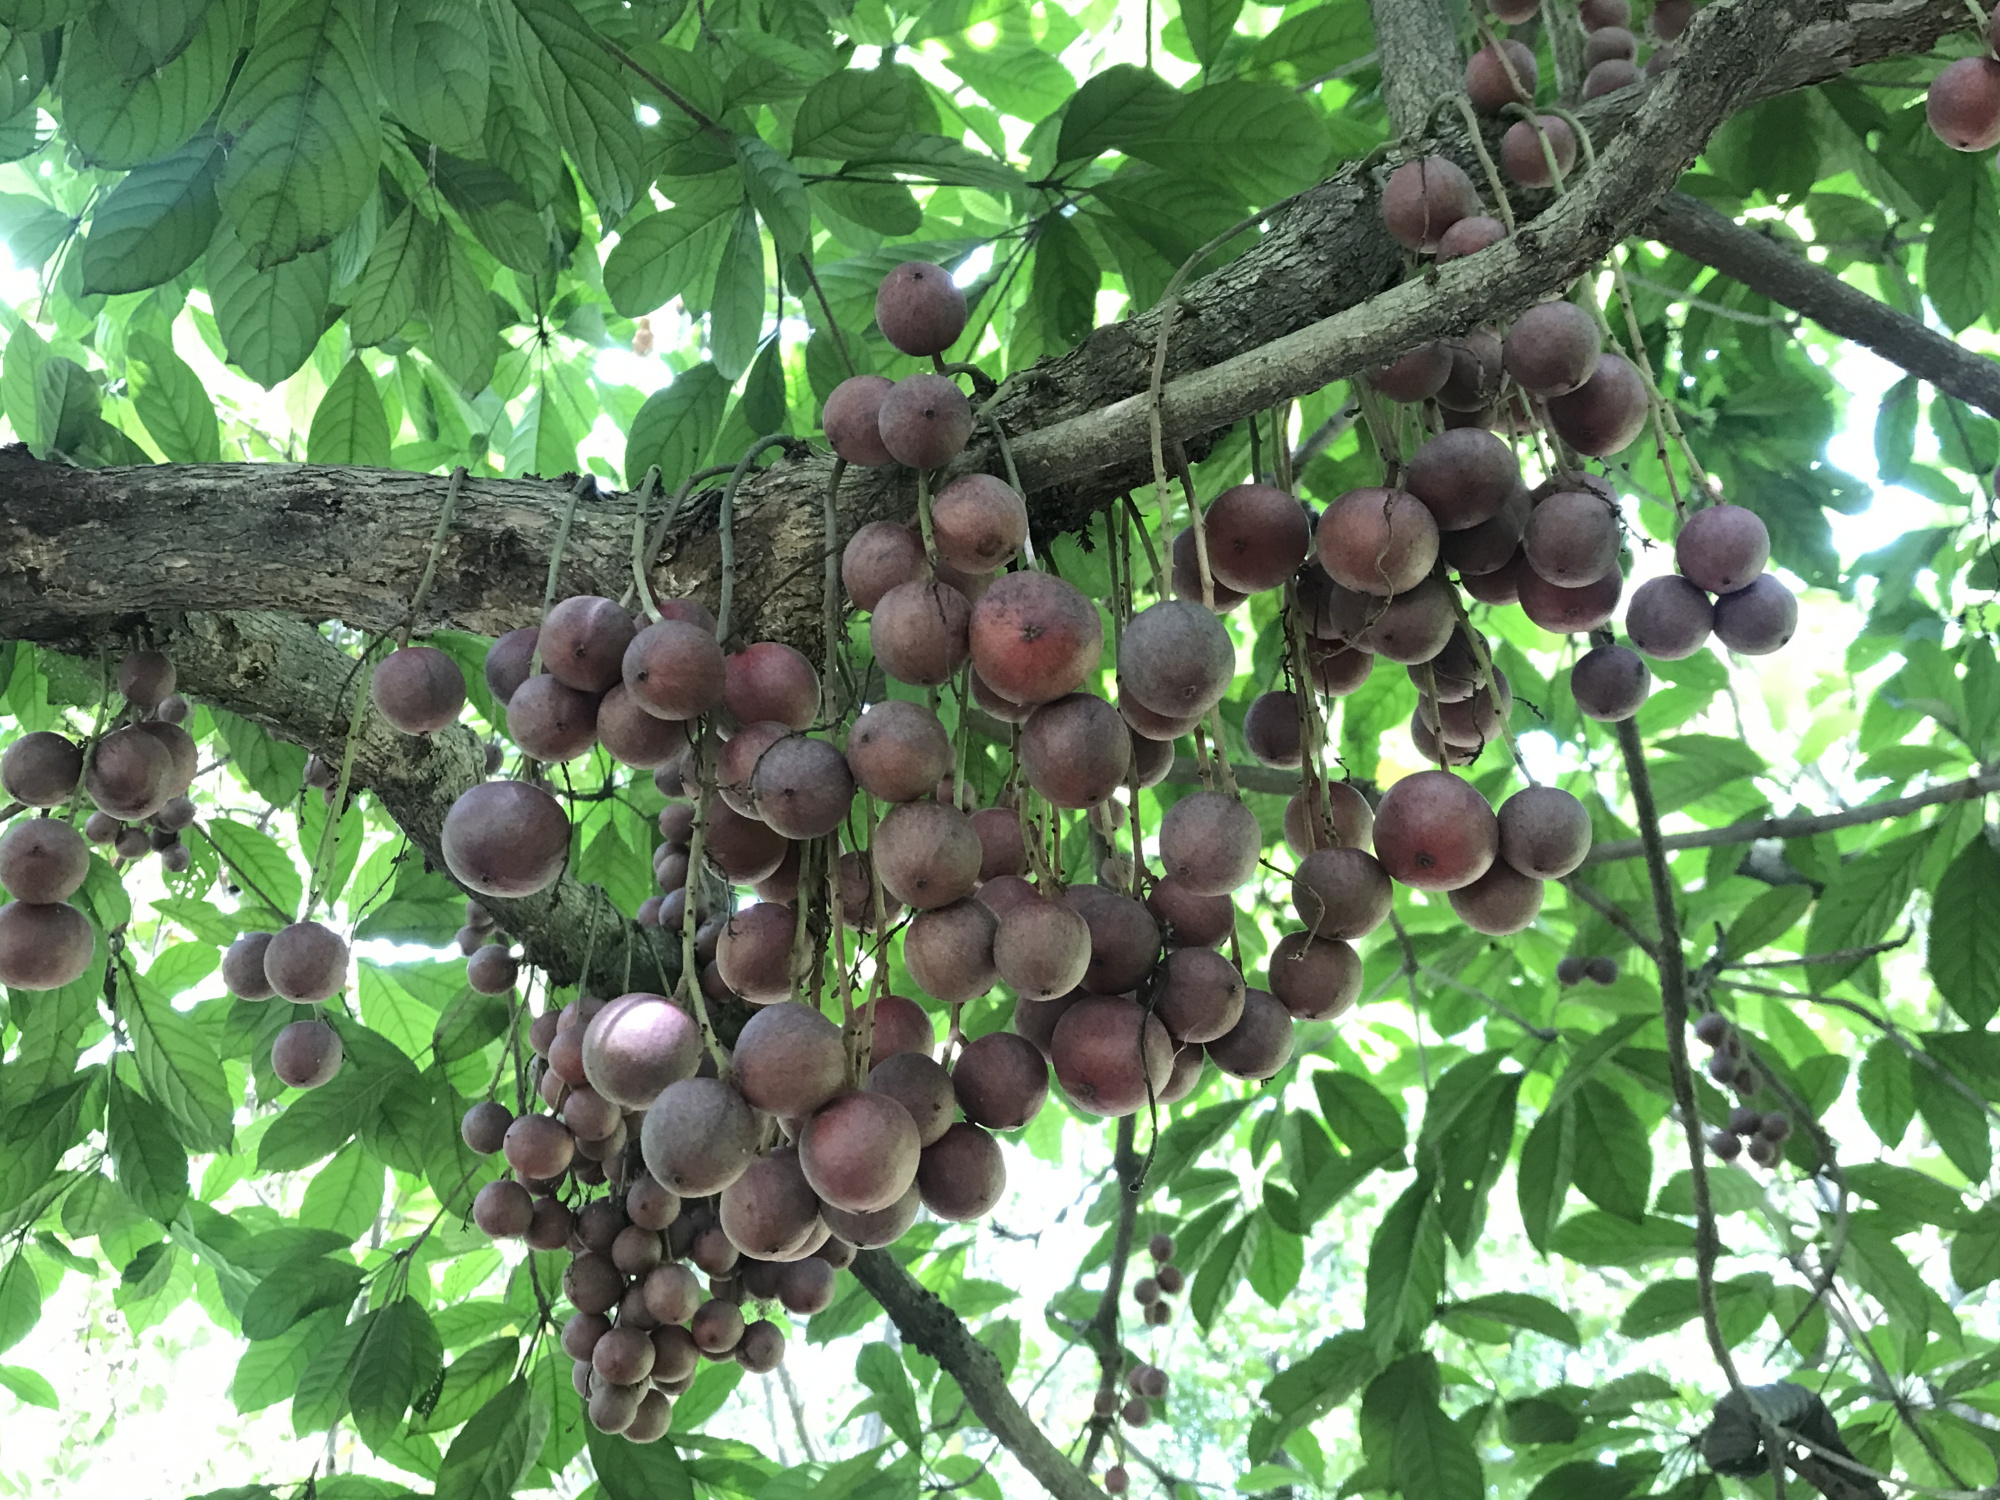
{"points": [[934, 1328], [1802, 827], [1769, 268], [1420, 61]]}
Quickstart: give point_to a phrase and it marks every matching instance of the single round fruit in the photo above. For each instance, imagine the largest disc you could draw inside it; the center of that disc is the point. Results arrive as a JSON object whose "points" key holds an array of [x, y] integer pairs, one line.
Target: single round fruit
{"points": [[1522, 156], [1500, 74], [306, 1054], [1035, 637], [1723, 548], [1210, 841], [41, 769], [895, 1024], [145, 678], [962, 1175], [1315, 979], [1544, 832], [860, 1151], [504, 1210], [850, 420], [1001, 1080], [1124, 939], [583, 642], [43, 946], [1377, 541], [1609, 683], [919, 308], [42, 860], [898, 750], [754, 954], [1200, 995], [789, 1060], [1416, 376], [1189, 920], [927, 854], [1259, 1044], [1572, 539], [505, 838], [1110, 1055], [1041, 948], [1434, 831], [1464, 476], [1610, 76], [1500, 902], [633, 735], [1352, 819], [925, 420], [768, 680], [770, 1211], [638, 1045], [492, 970], [1176, 659], [675, 670], [949, 950], [920, 632], [1257, 536], [484, 1127], [1552, 348], [306, 963], [508, 660], [1758, 619], [1271, 726], [1075, 751], [551, 720], [1604, 414], [1963, 105], [1424, 198], [880, 555], [1608, 42], [1564, 611], [979, 523], [1669, 618], [802, 787], [1341, 893], [130, 775], [243, 967], [698, 1136], [873, 1231], [922, 1086]]}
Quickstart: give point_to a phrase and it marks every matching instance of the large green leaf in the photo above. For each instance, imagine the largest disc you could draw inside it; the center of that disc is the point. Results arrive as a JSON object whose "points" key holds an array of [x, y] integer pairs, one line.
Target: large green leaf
{"points": [[676, 425], [431, 60], [1222, 1269], [1434, 1457], [465, 334], [880, 1369], [349, 426], [1864, 899], [1515, 1310], [155, 223], [151, 1163], [1311, 1387], [492, 1452], [34, 1135], [584, 95], [304, 131], [775, 191], [399, 1357], [854, 112], [259, 864], [179, 1066], [1614, 1159], [20, 1298], [674, 253], [1119, 106], [117, 110], [269, 320], [1962, 261], [386, 294], [1405, 1269], [1258, 139], [1959, 1124], [296, 1288], [1964, 942], [736, 316]]}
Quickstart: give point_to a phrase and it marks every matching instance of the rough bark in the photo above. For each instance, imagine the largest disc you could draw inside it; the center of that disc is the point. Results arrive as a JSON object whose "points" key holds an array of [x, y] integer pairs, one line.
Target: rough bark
{"points": [[1768, 268], [931, 1326], [1420, 61]]}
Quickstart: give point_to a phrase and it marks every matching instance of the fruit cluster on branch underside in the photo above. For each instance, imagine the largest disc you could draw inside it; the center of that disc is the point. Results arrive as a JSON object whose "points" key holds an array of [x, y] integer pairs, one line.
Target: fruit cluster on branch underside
{"points": [[1305, 305]]}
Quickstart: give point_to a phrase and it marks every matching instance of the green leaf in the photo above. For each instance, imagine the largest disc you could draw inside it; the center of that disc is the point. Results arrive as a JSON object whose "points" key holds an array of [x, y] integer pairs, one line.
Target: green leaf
{"points": [[1221, 1269], [1595, 1238], [399, 1358], [34, 1135], [1063, 285], [491, 1453], [345, 1195], [1768, 918], [1963, 947], [68, 403], [1886, 1095], [632, 1471], [671, 254], [1864, 899], [736, 316], [1315, 41], [1586, 1479], [431, 60], [583, 94], [1975, 1250], [179, 1067], [1518, 1310], [296, 1288], [1310, 1388], [1262, 140], [1896, 429], [274, 769], [1960, 1125], [28, 1387], [1547, 1167], [1115, 108], [1277, 1260], [775, 191], [880, 1368], [1405, 1269], [676, 425], [385, 296], [1882, 1270], [1905, 1191], [119, 112], [1361, 1117], [305, 135], [172, 402], [855, 112], [259, 864], [323, 1384], [350, 425], [271, 1370], [151, 1164], [764, 389], [464, 332], [1962, 260], [541, 444], [1209, 24], [20, 1299], [1192, 1137], [1615, 1169], [1434, 1457], [269, 320], [155, 223]]}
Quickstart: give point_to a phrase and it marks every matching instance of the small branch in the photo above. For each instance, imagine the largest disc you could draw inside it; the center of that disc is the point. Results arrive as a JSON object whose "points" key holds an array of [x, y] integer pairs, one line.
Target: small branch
{"points": [[1103, 1329], [1803, 827], [1420, 63], [929, 1325], [1769, 269], [1612, 912]]}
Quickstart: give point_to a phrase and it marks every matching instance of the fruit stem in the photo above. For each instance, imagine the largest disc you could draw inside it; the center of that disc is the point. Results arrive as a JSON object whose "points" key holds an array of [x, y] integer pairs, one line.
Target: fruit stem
{"points": [[1980, 18], [725, 527], [1161, 586], [689, 983], [638, 587], [924, 519], [1014, 478], [1222, 766], [329, 831], [830, 594], [584, 482], [837, 915], [1483, 654], [1199, 525], [1311, 729], [1478, 143], [832, 323], [431, 558]]}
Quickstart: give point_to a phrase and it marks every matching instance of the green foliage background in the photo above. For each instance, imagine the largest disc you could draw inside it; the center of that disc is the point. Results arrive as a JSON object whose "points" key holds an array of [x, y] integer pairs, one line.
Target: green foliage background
{"points": [[420, 225]]}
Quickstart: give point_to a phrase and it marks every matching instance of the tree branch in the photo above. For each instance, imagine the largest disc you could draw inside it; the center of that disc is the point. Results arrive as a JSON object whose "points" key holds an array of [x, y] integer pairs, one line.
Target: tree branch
{"points": [[1103, 1330], [1420, 62], [1802, 826], [934, 1328], [1769, 268]]}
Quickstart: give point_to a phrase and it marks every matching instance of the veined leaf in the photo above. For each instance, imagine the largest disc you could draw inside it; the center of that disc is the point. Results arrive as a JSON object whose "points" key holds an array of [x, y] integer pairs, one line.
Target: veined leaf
{"points": [[179, 1066], [775, 191], [399, 1357], [465, 335], [1405, 1268], [431, 59], [115, 118], [492, 1451], [151, 1164], [349, 426], [676, 425], [736, 316], [155, 223], [1962, 261], [580, 89], [385, 295], [1964, 942], [269, 320], [854, 112]]}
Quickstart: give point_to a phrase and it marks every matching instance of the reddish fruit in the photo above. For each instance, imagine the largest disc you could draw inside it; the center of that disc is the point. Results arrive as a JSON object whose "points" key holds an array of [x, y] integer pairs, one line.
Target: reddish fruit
{"points": [[1669, 618], [1107, 1051], [1564, 611], [674, 669], [1469, 236], [1257, 536], [919, 632], [1610, 683], [1424, 198], [1544, 832], [979, 522], [1434, 831], [1963, 105], [306, 1054], [1035, 637], [1377, 541], [1315, 979], [1464, 476], [43, 946], [880, 556], [919, 308], [925, 420], [505, 838], [850, 418], [1500, 74], [1417, 376], [1604, 414]]}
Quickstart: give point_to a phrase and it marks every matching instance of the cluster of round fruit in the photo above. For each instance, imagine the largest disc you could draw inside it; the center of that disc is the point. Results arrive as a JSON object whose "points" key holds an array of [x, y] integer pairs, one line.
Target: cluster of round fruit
{"points": [[306, 964], [922, 420], [1574, 968], [1146, 1384], [1963, 105], [1753, 1133], [138, 772]]}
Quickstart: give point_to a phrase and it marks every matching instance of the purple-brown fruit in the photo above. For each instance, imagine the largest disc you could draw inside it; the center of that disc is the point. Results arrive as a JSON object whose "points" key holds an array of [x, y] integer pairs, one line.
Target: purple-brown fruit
{"points": [[1124, 939], [634, 736], [860, 1151], [1434, 831], [306, 963], [418, 689], [962, 1175], [879, 556], [1500, 74], [508, 660], [674, 669], [1609, 683], [1544, 832], [42, 860], [41, 769], [1565, 611], [1610, 76], [503, 1209], [927, 854], [1210, 841], [698, 1136], [1176, 659], [1669, 618], [920, 309], [1522, 156], [243, 967], [789, 1060], [505, 838], [1188, 918], [638, 1045], [1500, 902], [1259, 1044], [1200, 995], [1572, 539], [920, 632], [1722, 549], [1075, 751], [1377, 541], [1041, 948], [130, 775], [1416, 376], [1315, 979], [979, 523], [1604, 414], [145, 678], [1110, 1055], [583, 642], [1257, 536], [305, 1054], [949, 950], [850, 420], [1552, 348], [770, 1211], [1001, 1080], [551, 720], [43, 946], [1341, 893], [1465, 476], [924, 1089], [925, 420], [1035, 637], [802, 787], [768, 680], [492, 970], [1759, 619], [1424, 198]]}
